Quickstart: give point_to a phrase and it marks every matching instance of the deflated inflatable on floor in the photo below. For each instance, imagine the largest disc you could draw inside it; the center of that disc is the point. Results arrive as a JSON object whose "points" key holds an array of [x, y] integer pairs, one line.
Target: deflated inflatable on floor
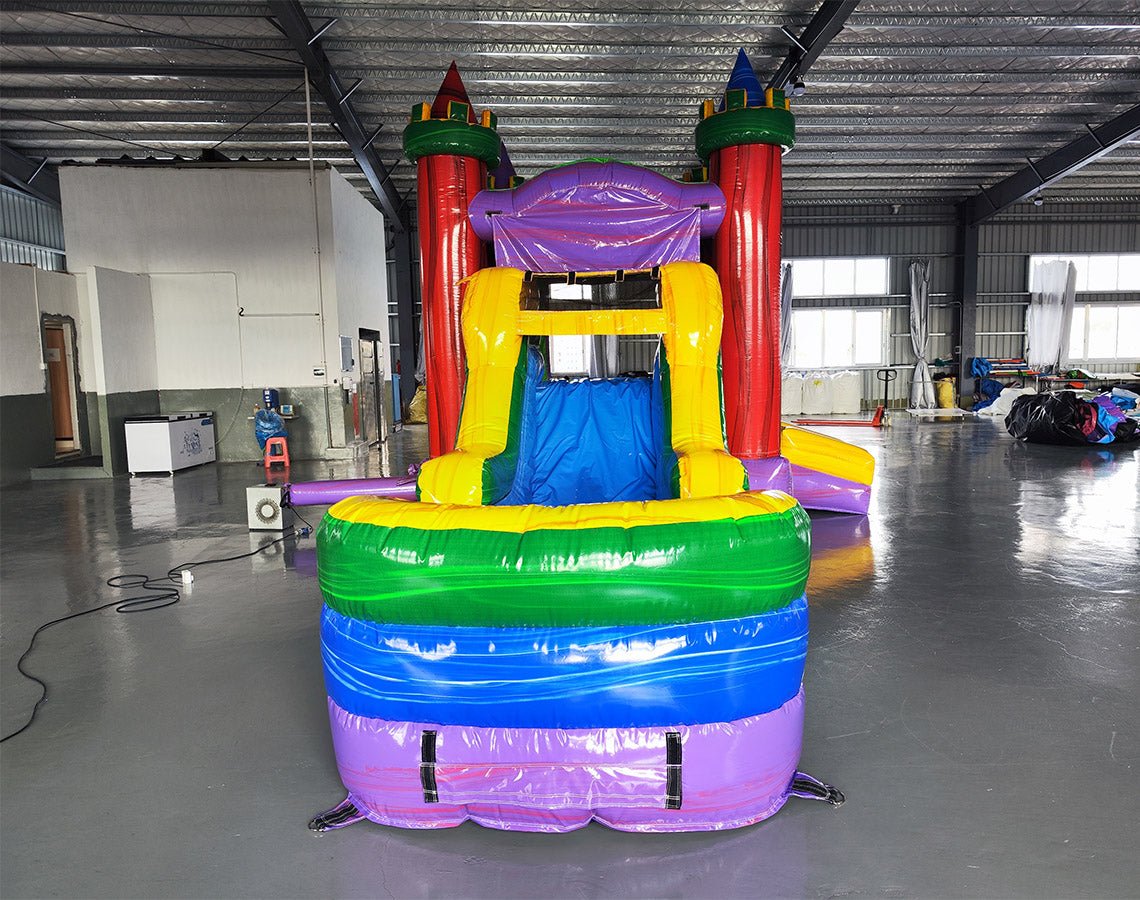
{"points": [[592, 609]]}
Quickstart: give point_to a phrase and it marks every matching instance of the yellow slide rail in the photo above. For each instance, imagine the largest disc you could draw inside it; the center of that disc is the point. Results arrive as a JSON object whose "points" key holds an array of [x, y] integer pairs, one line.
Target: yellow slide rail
{"points": [[494, 326]]}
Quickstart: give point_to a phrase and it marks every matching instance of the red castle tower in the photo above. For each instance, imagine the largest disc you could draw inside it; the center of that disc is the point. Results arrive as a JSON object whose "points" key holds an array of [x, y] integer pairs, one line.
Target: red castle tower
{"points": [[742, 142], [452, 151]]}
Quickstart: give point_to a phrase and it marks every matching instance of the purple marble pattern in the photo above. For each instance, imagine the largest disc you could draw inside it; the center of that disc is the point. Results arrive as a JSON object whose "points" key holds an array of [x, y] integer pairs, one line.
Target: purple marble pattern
{"points": [[326, 493], [773, 474], [597, 216], [829, 493], [526, 779]]}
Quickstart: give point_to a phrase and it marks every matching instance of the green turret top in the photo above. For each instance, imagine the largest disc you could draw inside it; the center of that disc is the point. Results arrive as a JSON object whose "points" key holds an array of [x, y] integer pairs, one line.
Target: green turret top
{"points": [[448, 126], [747, 114]]}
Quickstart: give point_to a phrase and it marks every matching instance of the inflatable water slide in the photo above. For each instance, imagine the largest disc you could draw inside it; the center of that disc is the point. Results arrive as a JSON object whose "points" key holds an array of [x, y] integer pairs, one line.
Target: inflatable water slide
{"points": [[593, 605]]}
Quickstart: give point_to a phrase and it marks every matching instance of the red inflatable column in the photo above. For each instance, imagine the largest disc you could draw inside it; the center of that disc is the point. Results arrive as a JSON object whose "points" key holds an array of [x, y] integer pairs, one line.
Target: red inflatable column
{"points": [[748, 262], [449, 252], [743, 143], [452, 152]]}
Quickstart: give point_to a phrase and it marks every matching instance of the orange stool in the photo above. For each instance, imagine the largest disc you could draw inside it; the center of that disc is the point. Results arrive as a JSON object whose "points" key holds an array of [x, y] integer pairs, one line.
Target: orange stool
{"points": [[276, 451]]}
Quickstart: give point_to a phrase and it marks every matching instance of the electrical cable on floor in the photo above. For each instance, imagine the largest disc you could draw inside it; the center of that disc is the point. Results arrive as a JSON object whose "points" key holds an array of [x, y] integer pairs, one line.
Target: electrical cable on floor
{"points": [[165, 594], [308, 529]]}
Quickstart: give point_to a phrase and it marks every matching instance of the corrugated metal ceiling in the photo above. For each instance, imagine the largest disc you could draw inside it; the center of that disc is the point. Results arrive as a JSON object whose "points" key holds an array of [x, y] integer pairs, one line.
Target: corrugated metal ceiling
{"points": [[909, 102]]}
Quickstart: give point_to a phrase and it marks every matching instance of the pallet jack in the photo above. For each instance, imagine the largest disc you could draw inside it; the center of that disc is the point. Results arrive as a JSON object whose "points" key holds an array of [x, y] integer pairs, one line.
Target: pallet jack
{"points": [[877, 420]]}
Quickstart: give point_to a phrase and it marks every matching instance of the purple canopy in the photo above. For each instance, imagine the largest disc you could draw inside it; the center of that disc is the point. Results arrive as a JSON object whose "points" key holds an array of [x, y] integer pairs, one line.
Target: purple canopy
{"points": [[596, 216]]}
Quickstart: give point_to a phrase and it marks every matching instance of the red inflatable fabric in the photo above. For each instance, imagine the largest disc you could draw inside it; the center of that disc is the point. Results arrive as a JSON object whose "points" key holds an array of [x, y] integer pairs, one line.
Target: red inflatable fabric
{"points": [[748, 263], [449, 252]]}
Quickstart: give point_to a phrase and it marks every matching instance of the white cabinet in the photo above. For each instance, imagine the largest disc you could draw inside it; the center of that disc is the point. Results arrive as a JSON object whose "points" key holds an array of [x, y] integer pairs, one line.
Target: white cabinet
{"points": [[169, 443]]}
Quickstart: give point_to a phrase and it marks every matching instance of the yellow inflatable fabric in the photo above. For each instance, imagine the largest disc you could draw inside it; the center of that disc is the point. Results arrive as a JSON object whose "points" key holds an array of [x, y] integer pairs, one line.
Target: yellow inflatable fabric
{"points": [[826, 454], [493, 328]]}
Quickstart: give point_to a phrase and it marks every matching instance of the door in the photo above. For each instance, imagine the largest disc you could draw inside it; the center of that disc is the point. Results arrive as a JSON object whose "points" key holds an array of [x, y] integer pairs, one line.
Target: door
{"points": [[366, 392], [378, 393], [59, 365]]}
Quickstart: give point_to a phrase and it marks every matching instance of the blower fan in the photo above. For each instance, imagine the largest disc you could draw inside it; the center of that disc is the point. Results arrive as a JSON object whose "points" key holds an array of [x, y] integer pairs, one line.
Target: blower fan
{"points": [[266, 508]]}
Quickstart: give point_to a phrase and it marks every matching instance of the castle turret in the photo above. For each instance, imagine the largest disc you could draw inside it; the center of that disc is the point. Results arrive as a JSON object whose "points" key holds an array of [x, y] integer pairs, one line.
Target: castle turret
{"points": [[452, 151], [742, 142]]}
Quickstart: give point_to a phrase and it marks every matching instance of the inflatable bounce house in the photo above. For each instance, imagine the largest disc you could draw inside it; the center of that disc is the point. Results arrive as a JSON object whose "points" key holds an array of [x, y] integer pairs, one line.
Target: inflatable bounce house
{"points": [[593, 607]]}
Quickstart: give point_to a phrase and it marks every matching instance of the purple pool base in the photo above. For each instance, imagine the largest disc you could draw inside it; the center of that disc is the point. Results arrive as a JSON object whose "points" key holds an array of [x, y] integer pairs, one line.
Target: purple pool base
{"points": [[814, 490], [829, 493], [773, 474], [763, 475], [554, 780]]}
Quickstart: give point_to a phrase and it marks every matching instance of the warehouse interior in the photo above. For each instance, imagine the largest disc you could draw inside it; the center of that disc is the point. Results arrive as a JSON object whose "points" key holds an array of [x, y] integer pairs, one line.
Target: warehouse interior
{"points": [[210, 215]]}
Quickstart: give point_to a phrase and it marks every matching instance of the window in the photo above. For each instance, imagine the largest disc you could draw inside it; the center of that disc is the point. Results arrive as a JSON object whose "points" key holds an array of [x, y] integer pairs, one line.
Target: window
{"points": [[570, 292], [602, 356], [834, 338], [570, 353], [1104, 332], [1108, 272], [848, 276]]}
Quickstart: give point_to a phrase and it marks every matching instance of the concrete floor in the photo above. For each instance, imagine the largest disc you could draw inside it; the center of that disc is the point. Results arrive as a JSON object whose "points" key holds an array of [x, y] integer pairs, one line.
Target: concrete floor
{"points": [[972, 687]]}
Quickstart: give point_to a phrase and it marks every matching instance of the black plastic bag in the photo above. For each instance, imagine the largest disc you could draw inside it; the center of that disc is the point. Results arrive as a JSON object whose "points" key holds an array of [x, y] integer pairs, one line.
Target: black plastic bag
{"points": [[1048, 419], [1128, 431]]}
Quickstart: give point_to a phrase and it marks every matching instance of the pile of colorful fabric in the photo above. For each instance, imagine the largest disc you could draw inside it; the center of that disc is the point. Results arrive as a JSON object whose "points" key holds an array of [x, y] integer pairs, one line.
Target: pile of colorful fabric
{"points": [[989, 390], [1066, 418]]}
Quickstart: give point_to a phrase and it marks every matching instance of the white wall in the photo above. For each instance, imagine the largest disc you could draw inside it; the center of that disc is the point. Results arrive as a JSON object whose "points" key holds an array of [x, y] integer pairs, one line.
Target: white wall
{"points": [[361, 266], [242, 240], [21, 359], [254, 273], [25, 294], [197, 330], [256, 223], [122, 322]]}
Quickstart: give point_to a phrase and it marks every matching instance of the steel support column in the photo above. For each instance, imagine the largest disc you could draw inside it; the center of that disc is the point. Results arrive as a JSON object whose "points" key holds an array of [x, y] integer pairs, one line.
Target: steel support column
{"points": [[825, 24], [406, 314], [295, 24], [968, 234], [1037, 176], [29, 176]]}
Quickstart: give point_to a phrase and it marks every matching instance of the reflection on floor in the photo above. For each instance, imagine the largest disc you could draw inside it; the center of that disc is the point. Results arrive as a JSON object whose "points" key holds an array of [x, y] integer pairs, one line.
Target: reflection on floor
{"points": [[841, 555], [974, 658]]}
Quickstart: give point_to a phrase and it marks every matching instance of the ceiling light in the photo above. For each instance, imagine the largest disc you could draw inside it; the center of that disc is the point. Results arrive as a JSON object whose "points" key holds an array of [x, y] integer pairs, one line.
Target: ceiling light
{"points": [[798, 88], [1038, 201]]}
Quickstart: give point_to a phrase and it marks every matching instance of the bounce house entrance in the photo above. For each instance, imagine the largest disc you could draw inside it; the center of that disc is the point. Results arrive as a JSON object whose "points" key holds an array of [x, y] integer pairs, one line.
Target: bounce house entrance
{"points": [[588, 440]]}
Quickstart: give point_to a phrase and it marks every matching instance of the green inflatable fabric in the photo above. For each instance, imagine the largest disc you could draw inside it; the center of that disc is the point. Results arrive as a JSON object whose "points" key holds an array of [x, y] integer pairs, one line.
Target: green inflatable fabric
{"points": [[643, 575]]}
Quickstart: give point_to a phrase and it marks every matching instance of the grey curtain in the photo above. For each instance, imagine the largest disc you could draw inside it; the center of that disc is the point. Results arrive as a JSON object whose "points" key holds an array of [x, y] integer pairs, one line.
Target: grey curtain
{"points": [[785, 315], [921, 385], [603, 356], [421, 363], [1050, 314]]}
